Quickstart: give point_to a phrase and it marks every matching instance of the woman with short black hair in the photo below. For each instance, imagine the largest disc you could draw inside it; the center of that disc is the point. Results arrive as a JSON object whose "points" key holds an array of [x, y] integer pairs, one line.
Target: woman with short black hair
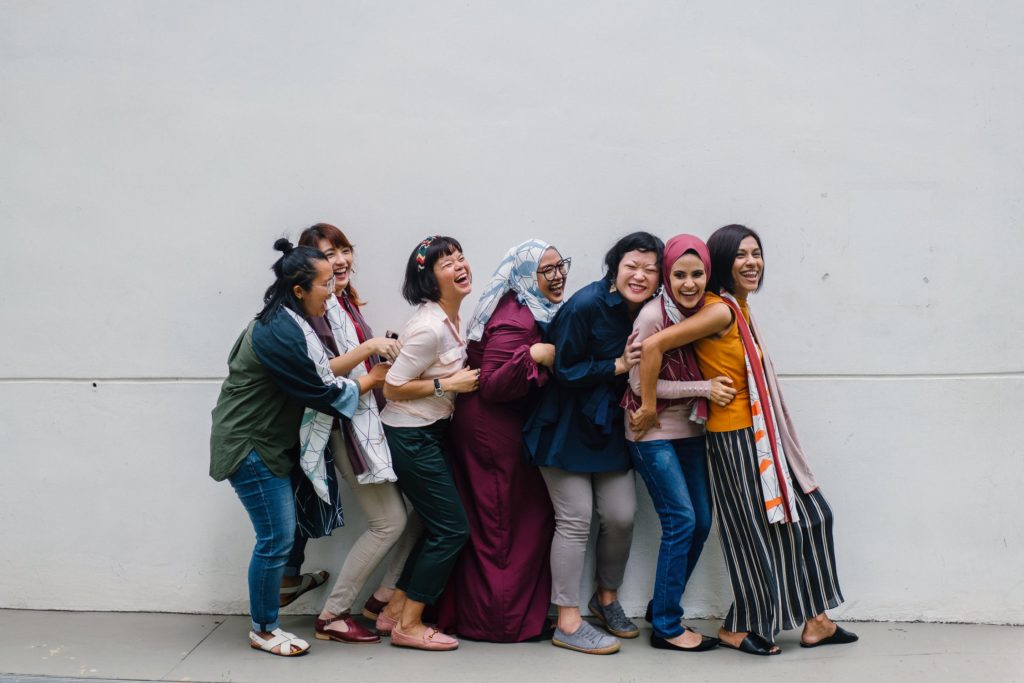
{"points": [[577, 437], [421, 387], [276, 368]]}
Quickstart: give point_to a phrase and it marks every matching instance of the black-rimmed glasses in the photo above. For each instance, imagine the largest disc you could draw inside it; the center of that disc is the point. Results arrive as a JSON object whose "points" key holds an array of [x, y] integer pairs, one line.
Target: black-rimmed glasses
{"points": [[562, 268]]}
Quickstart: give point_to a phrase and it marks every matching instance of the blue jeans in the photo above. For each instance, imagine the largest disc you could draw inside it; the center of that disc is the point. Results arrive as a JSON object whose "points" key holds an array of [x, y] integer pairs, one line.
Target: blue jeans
{"points": [[271, 507], [676, 474]]}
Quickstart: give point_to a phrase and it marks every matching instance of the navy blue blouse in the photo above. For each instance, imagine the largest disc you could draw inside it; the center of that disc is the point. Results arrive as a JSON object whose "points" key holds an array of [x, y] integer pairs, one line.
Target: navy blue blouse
{"points": [[578, 425]]}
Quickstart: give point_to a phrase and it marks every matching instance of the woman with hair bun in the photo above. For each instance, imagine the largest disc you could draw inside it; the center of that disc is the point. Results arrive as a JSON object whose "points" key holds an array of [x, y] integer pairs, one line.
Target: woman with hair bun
{"points": [[277, 367], [421, 387]]}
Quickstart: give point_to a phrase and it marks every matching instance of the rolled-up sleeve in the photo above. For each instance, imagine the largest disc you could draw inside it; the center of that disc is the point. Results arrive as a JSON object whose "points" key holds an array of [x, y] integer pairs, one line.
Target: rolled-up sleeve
{"points": [[419, 352], [282, 349]]}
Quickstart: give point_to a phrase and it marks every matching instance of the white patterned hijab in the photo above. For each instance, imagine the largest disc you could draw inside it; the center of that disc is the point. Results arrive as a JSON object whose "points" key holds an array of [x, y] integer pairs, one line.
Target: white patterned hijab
{"points": [[516, 272]]}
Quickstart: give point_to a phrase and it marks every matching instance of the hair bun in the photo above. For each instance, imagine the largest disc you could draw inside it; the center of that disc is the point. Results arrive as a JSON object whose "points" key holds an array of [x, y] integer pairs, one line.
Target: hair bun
{"points": [[283, 245]]}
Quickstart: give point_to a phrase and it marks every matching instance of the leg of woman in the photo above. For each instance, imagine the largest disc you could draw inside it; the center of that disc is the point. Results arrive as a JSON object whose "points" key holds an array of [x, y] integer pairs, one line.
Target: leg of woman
{"points": [[425, 478], [393, 600], [736, 492], [615, 502], [385, 516], [572, 496], [693, 461], [657, 463], [268, 501]]}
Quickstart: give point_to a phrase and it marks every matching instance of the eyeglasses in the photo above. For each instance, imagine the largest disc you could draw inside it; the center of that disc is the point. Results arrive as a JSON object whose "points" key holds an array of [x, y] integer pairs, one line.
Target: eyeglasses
{"points": [[562, 267], [330, 284]]}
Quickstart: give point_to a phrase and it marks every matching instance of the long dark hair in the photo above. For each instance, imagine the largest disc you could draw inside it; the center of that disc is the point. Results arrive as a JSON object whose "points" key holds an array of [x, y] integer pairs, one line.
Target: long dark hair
{"points": [[311, 237], [723, 245], [297, 266]]}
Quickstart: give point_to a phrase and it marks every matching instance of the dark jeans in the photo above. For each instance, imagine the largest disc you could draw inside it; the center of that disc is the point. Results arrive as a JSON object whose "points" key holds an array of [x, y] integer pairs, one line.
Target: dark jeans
{"points": [[676, 474], [424, 475]]}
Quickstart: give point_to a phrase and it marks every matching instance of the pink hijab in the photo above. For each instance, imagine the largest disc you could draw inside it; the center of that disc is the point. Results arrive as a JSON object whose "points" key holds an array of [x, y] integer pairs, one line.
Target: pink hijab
{"points": [[679, 364]]}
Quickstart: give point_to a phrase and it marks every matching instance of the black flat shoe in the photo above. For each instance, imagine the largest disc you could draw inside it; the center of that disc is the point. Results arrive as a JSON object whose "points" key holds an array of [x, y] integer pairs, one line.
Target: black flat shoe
{"points": [[706, 643], [840, 637], [754, 644]]}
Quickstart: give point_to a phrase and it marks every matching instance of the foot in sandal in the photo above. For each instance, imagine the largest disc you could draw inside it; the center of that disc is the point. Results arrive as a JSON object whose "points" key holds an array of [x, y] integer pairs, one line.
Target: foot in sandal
{"points": [[292, 587], [278, 642]]}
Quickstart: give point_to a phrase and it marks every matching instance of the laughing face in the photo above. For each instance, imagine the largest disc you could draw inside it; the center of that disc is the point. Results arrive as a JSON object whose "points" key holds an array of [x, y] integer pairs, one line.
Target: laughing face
{"points": [[551, 275], [454, 278], [748, 267], [687, 279], [340, 259], [637, 277], [314, 301]]}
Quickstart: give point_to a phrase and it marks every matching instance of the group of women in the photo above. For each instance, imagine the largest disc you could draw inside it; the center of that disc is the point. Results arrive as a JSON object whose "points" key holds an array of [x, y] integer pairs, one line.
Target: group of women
{"points": [[506, 435]]}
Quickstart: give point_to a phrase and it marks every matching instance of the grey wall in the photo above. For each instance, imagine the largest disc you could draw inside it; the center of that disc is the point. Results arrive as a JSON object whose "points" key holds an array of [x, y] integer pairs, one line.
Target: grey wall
{"points": [[151, 152]]}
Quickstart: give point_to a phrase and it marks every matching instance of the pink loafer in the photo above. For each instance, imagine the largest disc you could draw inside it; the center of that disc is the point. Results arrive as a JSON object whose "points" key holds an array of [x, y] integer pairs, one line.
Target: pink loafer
{"points": [[432, 639]]}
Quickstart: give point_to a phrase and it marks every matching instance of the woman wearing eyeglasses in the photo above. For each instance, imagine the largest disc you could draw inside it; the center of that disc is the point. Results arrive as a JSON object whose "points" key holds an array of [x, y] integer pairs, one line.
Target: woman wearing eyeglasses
{"points": [[501, 587], [277, 367]]}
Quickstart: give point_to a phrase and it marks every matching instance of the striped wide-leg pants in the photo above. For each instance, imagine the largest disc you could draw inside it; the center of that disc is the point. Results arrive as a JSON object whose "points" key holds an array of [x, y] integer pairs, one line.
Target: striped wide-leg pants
{"points": [[781, 574]]}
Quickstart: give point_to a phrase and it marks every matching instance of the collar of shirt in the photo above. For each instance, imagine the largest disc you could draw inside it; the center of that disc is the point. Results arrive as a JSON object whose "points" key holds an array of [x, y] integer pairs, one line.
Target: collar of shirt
{"points": [[611, 296], [434, 309]]}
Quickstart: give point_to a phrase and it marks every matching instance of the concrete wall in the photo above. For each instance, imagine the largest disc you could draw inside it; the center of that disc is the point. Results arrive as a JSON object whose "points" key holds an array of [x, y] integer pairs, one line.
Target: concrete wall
{"points": [[151, 152]]}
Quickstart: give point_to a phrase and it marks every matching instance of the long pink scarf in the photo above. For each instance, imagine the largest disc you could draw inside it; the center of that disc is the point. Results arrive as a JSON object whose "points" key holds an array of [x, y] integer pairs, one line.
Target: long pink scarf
{"points": [[776, 483]]}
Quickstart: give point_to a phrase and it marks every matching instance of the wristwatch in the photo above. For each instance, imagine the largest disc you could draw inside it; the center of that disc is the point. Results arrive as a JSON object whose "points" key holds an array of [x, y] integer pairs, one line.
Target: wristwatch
{"points": [[438, 391]]}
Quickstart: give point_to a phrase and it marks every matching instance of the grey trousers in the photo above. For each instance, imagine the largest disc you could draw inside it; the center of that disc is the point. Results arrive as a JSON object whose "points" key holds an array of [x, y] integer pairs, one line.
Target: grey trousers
{"points": [[575, 496], [388, 525]]}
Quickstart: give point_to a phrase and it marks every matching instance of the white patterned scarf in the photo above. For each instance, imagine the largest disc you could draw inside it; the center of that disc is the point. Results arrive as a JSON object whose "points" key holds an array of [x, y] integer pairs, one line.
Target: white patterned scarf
{"points": [[315, 430], [776, 483], [516, 272]]}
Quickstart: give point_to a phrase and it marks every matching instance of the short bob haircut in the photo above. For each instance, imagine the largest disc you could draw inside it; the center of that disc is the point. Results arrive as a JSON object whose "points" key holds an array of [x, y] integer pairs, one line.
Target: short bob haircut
{"points": [[311, 236], [420, 284], [723, 245], [635, 241]]}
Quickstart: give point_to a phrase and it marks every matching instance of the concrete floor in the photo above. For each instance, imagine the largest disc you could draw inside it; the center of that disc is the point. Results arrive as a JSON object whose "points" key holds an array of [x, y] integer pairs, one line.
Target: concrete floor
{"points": [[61, 646]]}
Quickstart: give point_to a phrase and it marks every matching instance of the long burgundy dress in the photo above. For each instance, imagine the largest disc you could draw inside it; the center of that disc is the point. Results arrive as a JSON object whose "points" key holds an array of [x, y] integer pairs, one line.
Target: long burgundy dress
{"points": [[501, 587]]}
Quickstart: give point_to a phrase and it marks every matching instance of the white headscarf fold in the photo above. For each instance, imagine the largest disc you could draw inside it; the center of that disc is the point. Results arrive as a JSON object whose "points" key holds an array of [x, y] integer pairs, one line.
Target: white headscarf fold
{"points": [[516, 272]]}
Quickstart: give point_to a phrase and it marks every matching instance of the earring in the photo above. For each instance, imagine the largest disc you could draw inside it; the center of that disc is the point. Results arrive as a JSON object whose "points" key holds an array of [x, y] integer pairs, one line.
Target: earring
{"points": [[612, 289]]}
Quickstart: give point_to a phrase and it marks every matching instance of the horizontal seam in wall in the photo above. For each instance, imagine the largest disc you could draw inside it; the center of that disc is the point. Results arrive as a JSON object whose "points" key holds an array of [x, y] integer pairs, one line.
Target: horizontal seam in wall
{"points": [[808, 377]]}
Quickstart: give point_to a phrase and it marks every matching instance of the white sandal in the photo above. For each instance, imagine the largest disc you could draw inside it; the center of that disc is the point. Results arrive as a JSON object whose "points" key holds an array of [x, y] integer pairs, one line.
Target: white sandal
{"points": [[282, 640]]}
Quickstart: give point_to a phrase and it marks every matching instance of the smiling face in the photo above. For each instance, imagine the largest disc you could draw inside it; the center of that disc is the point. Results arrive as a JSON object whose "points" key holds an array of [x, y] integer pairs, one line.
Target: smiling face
{"points": [[637, 277], [687, 280], [553, 289], [747, 267], [340, 259], [314, 301], [454, 278]]}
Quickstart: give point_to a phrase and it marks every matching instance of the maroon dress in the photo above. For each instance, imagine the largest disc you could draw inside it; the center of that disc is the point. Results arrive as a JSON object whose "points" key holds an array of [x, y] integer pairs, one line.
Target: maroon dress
{"points": [[500, 589]]}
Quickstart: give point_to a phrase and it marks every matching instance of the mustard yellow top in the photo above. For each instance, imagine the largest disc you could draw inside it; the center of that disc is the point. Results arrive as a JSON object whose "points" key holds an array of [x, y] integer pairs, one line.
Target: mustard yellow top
{"points": [[723, 356]]}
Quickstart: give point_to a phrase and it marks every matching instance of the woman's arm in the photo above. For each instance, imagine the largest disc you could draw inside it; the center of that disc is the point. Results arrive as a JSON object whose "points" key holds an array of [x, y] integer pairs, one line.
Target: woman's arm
{"points": [[281, 347], [509, 369], [462, 382], [419, 351], [709, 321], [575, 366], [382, 346]]}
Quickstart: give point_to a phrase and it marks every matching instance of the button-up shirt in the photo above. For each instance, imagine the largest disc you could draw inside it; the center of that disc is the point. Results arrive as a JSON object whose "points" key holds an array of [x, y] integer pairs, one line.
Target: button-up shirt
{"points": [[432, 348]]}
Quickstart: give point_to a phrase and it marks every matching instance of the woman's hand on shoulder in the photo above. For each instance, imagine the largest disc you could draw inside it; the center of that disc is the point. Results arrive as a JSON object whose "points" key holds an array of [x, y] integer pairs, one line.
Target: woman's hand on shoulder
{"points": [[543, 354], [462, 382], [384, 347], [721, 391]]}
